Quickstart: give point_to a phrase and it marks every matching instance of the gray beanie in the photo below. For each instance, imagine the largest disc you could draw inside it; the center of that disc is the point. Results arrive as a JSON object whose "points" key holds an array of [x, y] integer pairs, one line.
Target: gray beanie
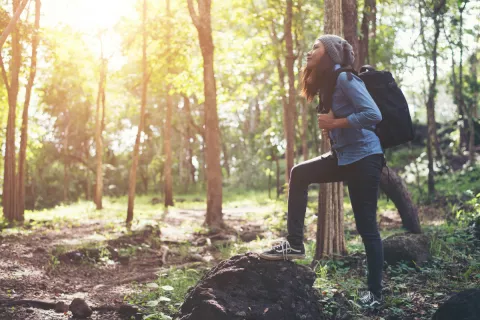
{"points": [[339, 50]]}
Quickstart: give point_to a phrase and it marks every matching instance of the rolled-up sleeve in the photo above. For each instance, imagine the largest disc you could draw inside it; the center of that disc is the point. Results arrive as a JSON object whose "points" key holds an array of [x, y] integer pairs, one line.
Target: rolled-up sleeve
{"points": [[366, 113]]}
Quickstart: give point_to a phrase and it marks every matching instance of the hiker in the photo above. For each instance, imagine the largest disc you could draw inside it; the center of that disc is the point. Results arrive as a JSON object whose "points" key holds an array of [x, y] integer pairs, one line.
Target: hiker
{"points": [[356, 157]]}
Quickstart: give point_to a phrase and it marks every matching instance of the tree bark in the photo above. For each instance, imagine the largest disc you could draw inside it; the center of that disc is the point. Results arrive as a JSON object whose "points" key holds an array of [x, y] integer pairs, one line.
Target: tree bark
{"points": [[189, 136], [473, 107], [349, 10], [290, 106], [18, 9], [167, 145], [226, 163], [133, 170], [433, 144], [9, 183], [66, 160], [396, 190], [304, 129], [330, 224], [201, 18], [99, 131], [24, 129], [368, 16]]}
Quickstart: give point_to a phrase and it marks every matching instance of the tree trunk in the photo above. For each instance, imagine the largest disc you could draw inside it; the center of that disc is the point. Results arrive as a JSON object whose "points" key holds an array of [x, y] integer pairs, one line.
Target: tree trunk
{"points": [[98, 132], [24, 129], [18, 9], [349, 10], [330, 225], [395, 189], [432, 141], [290, 107], [226, 163], [368, 16], [473, 107], [201, 17], [88, 191], [372, 58], [304, 129], [277, 164], [66, 160], [189, 136], [9, 194], [167, 145], [132, 179]]}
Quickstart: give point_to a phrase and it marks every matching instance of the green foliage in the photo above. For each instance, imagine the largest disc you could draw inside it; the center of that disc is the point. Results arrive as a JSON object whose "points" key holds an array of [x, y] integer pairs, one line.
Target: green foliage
{"points": [[163, 297]]}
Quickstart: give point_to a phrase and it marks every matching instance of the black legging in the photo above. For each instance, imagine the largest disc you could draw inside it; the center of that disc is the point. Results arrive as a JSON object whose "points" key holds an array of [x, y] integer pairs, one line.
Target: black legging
{"points": [[363, 178]]}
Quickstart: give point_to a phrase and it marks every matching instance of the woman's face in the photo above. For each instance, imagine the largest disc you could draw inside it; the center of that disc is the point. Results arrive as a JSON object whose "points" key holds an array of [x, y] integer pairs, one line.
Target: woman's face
{"points": [[316, 56]]}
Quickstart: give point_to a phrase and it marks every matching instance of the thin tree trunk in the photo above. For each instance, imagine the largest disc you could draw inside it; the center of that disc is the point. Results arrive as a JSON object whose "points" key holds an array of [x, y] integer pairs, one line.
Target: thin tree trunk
{"points": [[24, 129], [330, 225], [473, 107], [304, 129], [99, 132], [372, 57], [368, 16], [226, 164], [432, 141], [281, 77], [290, 107], [189, 136], [66, 160], [201, 17], [88, 191], [349, 10], [133, 170], [167, 145], [18, 9], [277, 164], [9, 183]]}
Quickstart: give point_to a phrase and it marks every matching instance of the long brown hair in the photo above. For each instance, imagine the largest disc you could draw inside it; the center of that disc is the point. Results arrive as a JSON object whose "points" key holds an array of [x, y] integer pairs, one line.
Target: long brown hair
{"points": [[319, 76]]}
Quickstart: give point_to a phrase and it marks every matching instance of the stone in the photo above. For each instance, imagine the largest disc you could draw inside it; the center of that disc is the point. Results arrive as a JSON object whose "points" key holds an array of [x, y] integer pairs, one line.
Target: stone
{"points": [[408, 247], [61, 307], [80, 308], [155, 201], [464, 305], [247, 287], [249, 236], [128, 310]]}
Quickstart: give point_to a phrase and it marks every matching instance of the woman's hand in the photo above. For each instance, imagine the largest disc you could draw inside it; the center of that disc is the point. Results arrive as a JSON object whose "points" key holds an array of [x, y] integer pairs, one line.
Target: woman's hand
{"points": [[326, 121]]}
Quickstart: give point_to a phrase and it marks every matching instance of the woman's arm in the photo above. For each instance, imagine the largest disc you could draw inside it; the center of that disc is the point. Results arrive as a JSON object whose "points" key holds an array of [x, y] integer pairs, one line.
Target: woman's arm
{"points": [[366, 112]]}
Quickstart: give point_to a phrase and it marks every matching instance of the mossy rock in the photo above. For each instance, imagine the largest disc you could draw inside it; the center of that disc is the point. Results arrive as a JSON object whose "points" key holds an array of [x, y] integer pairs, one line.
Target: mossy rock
{"points": [[413, 249]]}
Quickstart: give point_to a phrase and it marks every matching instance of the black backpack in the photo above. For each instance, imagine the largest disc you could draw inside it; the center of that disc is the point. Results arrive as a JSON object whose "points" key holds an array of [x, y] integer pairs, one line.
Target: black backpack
{"points": [[396, 126]]}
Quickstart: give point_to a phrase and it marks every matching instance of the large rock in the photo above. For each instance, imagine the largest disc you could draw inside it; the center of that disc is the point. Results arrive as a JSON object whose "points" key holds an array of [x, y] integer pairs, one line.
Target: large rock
{"points": [[80, 309], [406, 248], [247, 287], [461, 306]]}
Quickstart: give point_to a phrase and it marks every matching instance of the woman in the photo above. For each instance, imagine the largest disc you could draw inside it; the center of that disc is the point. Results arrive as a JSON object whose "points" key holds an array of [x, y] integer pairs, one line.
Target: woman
{"points": [[357, 157]]}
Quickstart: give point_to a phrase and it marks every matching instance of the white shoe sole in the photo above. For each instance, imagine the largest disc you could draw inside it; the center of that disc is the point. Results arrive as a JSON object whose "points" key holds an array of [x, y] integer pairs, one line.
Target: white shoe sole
{"points": [[278, 258]]}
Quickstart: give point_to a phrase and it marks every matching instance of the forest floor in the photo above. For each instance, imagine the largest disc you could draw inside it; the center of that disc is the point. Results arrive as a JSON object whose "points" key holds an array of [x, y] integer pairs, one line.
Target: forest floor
{"points": [[77, 252]]}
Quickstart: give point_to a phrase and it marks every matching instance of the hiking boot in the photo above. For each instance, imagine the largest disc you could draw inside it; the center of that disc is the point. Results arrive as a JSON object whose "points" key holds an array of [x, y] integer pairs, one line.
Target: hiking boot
{"points": [[368, 299], [283, 251]]}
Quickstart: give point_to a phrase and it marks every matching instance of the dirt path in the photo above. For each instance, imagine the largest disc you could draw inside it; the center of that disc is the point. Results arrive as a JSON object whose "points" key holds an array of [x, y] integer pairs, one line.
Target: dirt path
{"points": [[100, 262], [62, 262]]}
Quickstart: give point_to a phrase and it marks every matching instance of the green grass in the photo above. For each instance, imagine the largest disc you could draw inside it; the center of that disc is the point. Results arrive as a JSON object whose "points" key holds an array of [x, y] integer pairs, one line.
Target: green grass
{"points": [[163, 297]]}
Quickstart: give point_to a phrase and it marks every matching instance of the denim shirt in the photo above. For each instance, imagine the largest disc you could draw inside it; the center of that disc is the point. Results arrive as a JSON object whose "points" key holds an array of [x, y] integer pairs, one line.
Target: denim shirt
{"points": [[351, 100]]}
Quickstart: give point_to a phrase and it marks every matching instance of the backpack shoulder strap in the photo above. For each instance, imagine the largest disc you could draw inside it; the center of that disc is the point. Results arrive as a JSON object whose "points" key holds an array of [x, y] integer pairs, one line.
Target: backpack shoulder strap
{"points": [[326, 102], [348, 70]]}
